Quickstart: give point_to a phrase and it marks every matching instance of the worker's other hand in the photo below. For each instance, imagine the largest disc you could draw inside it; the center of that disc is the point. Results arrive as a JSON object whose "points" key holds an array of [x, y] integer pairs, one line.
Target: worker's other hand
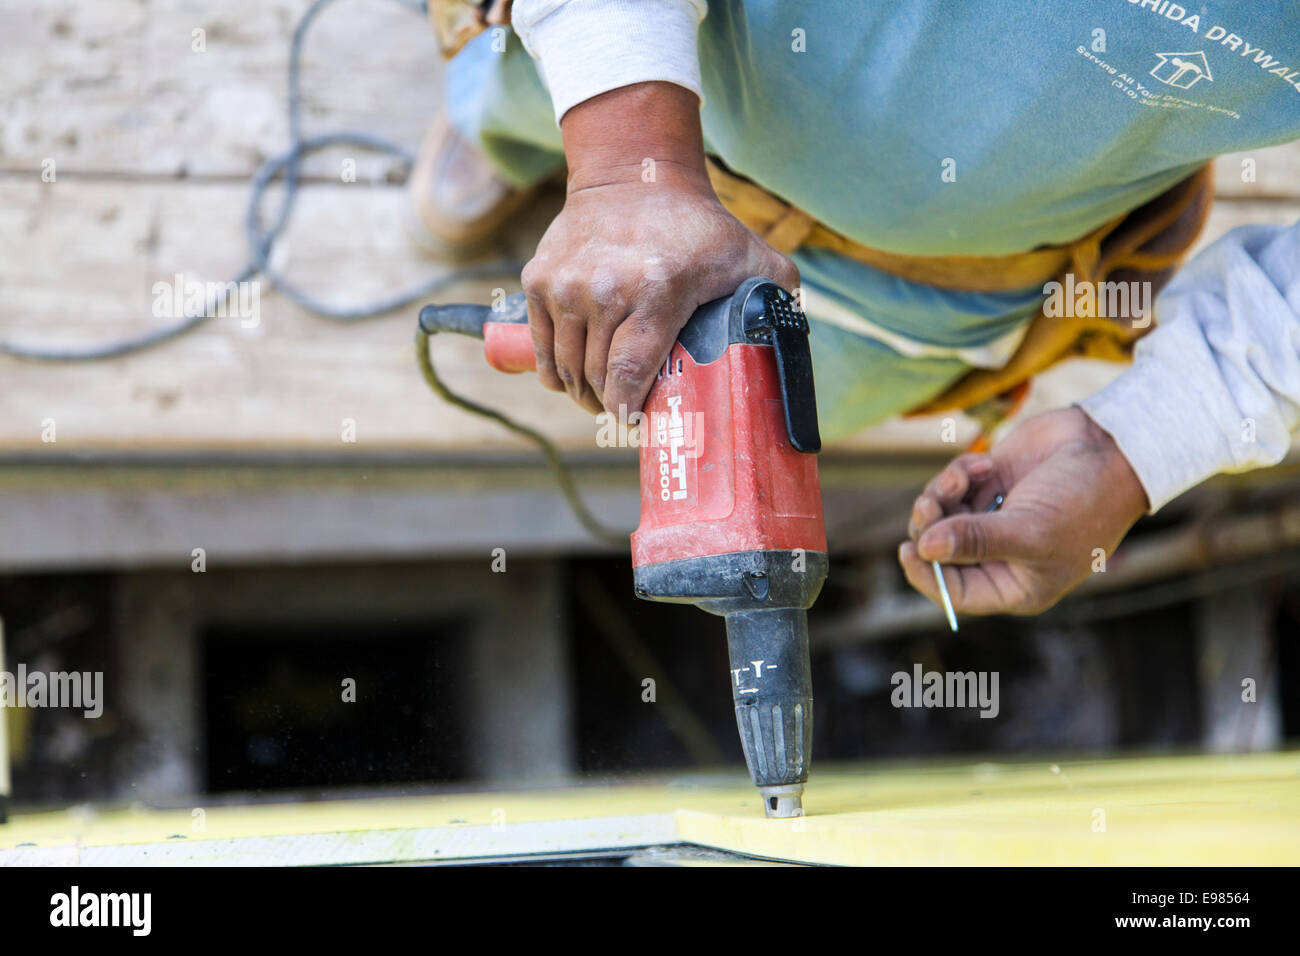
{"points": [[642, 241], [1069, 495]]}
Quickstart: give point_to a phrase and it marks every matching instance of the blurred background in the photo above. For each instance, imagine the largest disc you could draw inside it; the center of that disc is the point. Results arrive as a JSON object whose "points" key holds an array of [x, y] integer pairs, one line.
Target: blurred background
{"points": [[233, 525]]}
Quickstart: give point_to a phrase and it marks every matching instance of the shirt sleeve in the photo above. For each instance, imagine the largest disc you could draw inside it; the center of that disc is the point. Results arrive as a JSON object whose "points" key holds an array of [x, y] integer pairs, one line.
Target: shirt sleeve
{"points": [[1216, 386], [587, 47]]}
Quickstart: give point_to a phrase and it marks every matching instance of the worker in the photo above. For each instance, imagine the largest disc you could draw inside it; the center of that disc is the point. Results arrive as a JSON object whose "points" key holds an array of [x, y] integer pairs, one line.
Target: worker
{"points": [[961, 194]]}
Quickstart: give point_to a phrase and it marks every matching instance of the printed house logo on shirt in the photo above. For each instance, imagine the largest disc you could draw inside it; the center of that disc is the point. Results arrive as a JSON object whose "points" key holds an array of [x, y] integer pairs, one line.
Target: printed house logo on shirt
{"points": [[1183, 70]]}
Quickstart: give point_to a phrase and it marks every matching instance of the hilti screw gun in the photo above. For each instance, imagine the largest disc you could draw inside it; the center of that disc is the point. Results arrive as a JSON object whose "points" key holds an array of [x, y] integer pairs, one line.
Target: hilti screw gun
{"points": [[731, 509]]}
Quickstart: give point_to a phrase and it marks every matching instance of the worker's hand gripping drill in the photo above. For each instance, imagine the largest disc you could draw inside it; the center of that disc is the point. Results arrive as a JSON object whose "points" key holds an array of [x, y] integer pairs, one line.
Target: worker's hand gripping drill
{"points": [[1068, 494], [641, 243]]}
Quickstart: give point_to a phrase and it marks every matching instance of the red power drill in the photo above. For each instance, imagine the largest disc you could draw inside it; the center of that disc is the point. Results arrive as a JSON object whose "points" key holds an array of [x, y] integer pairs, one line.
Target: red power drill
{"points": [[731, 508]]}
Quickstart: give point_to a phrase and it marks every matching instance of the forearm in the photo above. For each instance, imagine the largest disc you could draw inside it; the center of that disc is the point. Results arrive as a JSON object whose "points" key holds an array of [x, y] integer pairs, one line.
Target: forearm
{"points": [[642, 240], [1216, 388]]}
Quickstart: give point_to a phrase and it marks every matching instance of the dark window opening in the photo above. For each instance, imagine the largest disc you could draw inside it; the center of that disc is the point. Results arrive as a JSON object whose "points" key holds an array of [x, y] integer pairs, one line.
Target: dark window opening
{"points": [[276, 717]]}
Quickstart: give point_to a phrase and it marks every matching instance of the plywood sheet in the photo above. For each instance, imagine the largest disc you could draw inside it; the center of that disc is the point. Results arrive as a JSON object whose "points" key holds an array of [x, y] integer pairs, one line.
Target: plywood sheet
{"points": [[1206, 810]]}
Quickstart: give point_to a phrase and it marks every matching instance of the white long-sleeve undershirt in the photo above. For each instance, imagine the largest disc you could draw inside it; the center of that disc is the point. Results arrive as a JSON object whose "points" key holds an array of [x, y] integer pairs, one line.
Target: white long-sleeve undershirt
{"points": [[587, 47]]}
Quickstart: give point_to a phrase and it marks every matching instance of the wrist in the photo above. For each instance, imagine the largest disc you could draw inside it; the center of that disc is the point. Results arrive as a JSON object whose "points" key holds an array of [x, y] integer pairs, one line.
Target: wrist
{"points": [[643, 133], [1119, 475]]}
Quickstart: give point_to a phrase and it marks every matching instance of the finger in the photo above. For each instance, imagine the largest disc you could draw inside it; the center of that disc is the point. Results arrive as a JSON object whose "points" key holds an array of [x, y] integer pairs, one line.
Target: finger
{"points": [[926, 510], [979, 538], [946, 493], [972, 589], [571, 357], [919, 574], [639, 346], [600, 337], [543, 332], [763, 260], [958, 477], [590, 401]]}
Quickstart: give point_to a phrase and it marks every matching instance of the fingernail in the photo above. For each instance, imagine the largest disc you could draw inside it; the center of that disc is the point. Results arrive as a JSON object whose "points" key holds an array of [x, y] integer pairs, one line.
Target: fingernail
{"points": [[948, 484]]}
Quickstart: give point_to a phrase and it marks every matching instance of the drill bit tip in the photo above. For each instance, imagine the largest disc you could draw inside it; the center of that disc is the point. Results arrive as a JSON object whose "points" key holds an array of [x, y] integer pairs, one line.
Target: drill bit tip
{"points": [[783, 802]]}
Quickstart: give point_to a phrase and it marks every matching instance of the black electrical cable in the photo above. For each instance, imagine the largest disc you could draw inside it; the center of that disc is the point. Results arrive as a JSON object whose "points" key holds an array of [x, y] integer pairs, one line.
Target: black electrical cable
{"points": [[596, 528]]}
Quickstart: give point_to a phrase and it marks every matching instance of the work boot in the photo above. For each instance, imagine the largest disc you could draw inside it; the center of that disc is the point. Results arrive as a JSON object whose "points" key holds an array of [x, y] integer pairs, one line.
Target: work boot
{"points": [[458, 200]]}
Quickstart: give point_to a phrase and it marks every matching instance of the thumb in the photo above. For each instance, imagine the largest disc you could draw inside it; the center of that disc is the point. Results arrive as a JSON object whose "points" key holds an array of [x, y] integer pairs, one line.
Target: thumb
{"points": [[976, 538], [785, 273], [780, 268]]}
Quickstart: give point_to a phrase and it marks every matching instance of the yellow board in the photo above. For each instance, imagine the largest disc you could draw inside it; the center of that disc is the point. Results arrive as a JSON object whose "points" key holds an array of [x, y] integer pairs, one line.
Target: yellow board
{"points": [[1180, 810]]}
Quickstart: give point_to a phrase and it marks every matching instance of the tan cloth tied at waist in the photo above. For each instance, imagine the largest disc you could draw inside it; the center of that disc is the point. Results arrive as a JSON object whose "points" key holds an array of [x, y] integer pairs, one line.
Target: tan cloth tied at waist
{"points": [[1145, 245]]}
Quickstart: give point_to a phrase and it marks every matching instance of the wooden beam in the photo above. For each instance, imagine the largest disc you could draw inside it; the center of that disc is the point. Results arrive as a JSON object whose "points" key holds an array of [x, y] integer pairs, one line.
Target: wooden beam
{"points": [[519, 678], [1237, 669], [294, 381], [156, 673], [118, 87], [69, 513]]}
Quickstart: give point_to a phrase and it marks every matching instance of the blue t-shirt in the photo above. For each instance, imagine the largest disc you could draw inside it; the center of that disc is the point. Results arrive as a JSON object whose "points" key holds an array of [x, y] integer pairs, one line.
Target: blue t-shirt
{"points": [[980, 128], [936, 127]]}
